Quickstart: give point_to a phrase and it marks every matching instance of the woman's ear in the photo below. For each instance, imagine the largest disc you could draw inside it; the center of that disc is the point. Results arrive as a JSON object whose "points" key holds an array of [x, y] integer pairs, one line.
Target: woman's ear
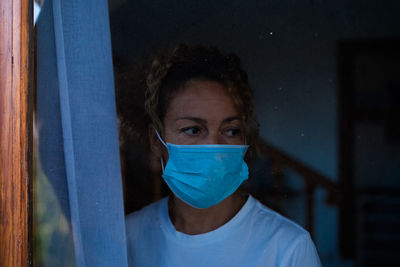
{"points": [[156, 146]]}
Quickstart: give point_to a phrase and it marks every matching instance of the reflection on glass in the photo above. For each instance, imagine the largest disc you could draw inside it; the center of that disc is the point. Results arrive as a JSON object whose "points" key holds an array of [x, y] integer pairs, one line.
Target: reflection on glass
{"points": [[52, 235]]}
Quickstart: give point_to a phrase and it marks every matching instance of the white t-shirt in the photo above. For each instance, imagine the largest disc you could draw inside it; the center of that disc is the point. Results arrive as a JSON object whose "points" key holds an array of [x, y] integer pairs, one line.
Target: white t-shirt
{"points": [[255, 236]]}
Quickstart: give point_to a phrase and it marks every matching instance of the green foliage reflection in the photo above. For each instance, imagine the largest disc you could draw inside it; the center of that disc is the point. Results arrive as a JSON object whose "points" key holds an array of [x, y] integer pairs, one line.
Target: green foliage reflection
{"points": [[53, 243]]}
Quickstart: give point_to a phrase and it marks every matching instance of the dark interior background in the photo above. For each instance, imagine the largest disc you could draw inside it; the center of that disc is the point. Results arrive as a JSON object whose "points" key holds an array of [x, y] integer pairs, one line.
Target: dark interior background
{"points": [[312, 64]]}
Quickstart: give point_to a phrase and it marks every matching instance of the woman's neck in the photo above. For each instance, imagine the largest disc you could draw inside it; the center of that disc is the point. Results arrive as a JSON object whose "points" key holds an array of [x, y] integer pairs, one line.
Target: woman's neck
{"points": [[192, 221]]}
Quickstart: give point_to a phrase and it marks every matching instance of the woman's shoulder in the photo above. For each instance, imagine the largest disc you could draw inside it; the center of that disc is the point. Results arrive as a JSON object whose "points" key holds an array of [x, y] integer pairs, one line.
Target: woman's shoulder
{"points": [[146, 217], [274, 224], [274, 232], [271, 231]]}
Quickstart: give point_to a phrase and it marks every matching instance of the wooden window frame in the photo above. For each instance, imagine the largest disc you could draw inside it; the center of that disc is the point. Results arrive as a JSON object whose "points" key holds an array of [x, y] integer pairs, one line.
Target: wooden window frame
{"points": [[16, 102]]}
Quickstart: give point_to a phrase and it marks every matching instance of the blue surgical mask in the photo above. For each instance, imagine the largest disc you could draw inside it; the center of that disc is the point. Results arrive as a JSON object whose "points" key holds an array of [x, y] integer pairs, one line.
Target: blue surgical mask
{"points": [[204, 175]]}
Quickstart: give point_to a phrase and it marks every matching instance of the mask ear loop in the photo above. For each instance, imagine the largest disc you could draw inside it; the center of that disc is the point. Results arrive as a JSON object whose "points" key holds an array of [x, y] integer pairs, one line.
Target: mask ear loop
{"points": [[159, 137], [162, 141], [162, 164]]}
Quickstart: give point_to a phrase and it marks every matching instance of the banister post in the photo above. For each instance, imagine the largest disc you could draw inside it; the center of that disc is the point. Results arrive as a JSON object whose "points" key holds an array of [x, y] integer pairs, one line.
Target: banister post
{"points": [[310, 190], [278, 183]]}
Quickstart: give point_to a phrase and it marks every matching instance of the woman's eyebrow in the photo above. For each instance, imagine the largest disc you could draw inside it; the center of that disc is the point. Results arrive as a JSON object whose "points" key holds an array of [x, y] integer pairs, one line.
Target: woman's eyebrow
{"points": [[203, 121], [230, 119], [195, 119]]}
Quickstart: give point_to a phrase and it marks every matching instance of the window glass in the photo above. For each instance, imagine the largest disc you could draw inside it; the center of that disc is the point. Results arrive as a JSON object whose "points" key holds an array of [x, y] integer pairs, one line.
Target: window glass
{"points": [[325, 77]]}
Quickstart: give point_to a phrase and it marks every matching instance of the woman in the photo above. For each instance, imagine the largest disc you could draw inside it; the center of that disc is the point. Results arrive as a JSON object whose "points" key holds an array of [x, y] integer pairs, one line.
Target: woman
{"points": [[201, 124]]}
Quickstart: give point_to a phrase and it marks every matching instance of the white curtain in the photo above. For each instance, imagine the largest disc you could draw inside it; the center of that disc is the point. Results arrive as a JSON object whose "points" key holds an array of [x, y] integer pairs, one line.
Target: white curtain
{"points": [[78, 136]]}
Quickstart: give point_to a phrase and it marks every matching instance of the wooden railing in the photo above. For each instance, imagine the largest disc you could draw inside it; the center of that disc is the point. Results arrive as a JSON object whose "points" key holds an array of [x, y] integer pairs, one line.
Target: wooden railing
{"points": [[311, 178]]}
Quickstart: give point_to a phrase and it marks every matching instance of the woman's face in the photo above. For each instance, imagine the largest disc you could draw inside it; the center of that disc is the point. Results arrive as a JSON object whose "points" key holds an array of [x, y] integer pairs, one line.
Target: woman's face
{"points": [[203, 113]]}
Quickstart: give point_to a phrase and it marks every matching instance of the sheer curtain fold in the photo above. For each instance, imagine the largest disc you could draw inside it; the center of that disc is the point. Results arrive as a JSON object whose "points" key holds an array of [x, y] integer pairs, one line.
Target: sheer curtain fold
{"points": [[76, 112]]}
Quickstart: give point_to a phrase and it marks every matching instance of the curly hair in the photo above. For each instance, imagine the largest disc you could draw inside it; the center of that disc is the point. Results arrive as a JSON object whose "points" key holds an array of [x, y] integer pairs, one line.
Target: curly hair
{"points": [[168, 72]]}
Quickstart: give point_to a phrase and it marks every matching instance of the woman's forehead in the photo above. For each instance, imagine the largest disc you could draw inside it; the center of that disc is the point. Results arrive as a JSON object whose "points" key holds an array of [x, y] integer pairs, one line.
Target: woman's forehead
{"points": [[202, 99]]}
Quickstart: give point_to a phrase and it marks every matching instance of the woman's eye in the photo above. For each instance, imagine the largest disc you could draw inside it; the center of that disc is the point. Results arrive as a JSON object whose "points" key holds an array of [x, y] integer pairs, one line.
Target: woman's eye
{"points": [[191, 130], [233, 132]]}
